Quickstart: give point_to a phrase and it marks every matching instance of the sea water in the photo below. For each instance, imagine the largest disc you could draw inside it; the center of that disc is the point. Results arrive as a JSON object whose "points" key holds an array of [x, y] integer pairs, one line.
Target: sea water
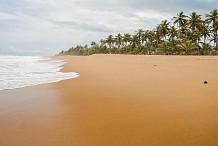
{"points": [[23, 71]]}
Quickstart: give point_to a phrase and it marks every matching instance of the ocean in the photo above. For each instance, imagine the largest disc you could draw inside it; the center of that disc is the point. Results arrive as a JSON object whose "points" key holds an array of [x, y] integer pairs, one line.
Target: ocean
{"points": [[22, 71]]}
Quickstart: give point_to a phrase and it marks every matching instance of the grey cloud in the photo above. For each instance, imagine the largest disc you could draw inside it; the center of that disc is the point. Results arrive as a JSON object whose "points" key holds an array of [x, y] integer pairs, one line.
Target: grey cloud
{"points": [[85, 26], [171, 6]]}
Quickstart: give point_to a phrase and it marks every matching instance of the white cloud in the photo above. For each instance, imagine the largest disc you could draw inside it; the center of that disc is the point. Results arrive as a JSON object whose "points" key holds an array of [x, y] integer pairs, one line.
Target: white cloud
{"points": [[7, 16], [150, 14]]}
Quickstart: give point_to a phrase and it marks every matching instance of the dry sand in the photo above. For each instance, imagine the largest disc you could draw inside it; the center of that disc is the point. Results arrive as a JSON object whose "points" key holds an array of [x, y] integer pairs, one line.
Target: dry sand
{"points": [[118, 100]]}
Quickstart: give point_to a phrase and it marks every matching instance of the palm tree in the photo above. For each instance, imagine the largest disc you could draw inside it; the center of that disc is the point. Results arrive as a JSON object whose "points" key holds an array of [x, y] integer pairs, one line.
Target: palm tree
{"points": [[144, 40], [110, 40], [212, 19], [139, 35], [126, 38], [147, 38], [187, 46], [93, 43], [156, 35], [204, 32], [164, 29], [134, 42], [195, 24], [118, 40], [194, 21], [102, 46], [94, 47], [181, 21], [144, 37], [165, 48], [206, 48], [102, 42], [151, 38], [173, 33]]}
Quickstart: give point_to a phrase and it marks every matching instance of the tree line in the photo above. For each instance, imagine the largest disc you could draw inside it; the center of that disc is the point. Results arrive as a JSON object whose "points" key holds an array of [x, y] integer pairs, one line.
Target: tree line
{"points": [[184, 35]]}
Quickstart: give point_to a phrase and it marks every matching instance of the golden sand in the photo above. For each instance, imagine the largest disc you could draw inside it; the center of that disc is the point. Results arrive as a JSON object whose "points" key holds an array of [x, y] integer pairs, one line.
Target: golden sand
{"points": [[118, 100]]}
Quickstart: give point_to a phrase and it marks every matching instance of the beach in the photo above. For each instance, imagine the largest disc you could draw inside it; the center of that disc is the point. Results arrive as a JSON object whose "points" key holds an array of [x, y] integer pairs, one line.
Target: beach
{"points": [[118, 100]]}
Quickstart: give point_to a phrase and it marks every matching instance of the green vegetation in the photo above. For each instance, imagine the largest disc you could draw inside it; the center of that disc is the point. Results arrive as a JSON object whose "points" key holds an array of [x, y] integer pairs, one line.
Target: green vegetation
{"points": [[185, 35]]}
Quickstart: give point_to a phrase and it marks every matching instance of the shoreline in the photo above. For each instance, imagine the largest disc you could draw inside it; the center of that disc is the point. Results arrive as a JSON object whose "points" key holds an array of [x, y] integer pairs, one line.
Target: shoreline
{"points": [[117, 100]]}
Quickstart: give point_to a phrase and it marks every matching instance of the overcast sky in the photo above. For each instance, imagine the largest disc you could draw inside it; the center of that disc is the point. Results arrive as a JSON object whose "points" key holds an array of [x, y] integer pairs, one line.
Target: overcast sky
{"points": [[45, 27]]}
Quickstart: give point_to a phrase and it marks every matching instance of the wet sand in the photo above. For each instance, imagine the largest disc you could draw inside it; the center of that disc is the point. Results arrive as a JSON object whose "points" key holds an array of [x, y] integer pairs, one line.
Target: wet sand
{"points": [[118, 100]]}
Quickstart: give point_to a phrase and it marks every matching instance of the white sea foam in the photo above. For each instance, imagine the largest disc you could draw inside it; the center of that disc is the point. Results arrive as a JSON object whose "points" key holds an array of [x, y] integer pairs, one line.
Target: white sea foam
{"points": [[22, 71]]}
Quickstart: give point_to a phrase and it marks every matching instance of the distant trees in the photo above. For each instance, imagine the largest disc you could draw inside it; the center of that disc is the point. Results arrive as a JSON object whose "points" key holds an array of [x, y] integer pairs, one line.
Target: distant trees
{"points": [[184, 35]]}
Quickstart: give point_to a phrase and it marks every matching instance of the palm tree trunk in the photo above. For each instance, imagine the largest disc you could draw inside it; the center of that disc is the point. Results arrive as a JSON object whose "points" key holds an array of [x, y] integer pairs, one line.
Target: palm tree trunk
{"points": [[215, 39]]}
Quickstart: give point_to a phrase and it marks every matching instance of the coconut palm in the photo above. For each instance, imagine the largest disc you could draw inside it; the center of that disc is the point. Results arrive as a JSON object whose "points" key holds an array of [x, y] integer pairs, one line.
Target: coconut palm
{"points": [[139, 35], [206, 48], [118, 40], [165, 48], [187, 46], [134, 41], [164, 29], [204, 32], [147, 39], [194, 21], [212, 19], [102, 46], [93, 43], [110, 40], [195, 24], [126, 38], [144, 38], [172, 33], [102, 42], [151, 38], [180, 21]]}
